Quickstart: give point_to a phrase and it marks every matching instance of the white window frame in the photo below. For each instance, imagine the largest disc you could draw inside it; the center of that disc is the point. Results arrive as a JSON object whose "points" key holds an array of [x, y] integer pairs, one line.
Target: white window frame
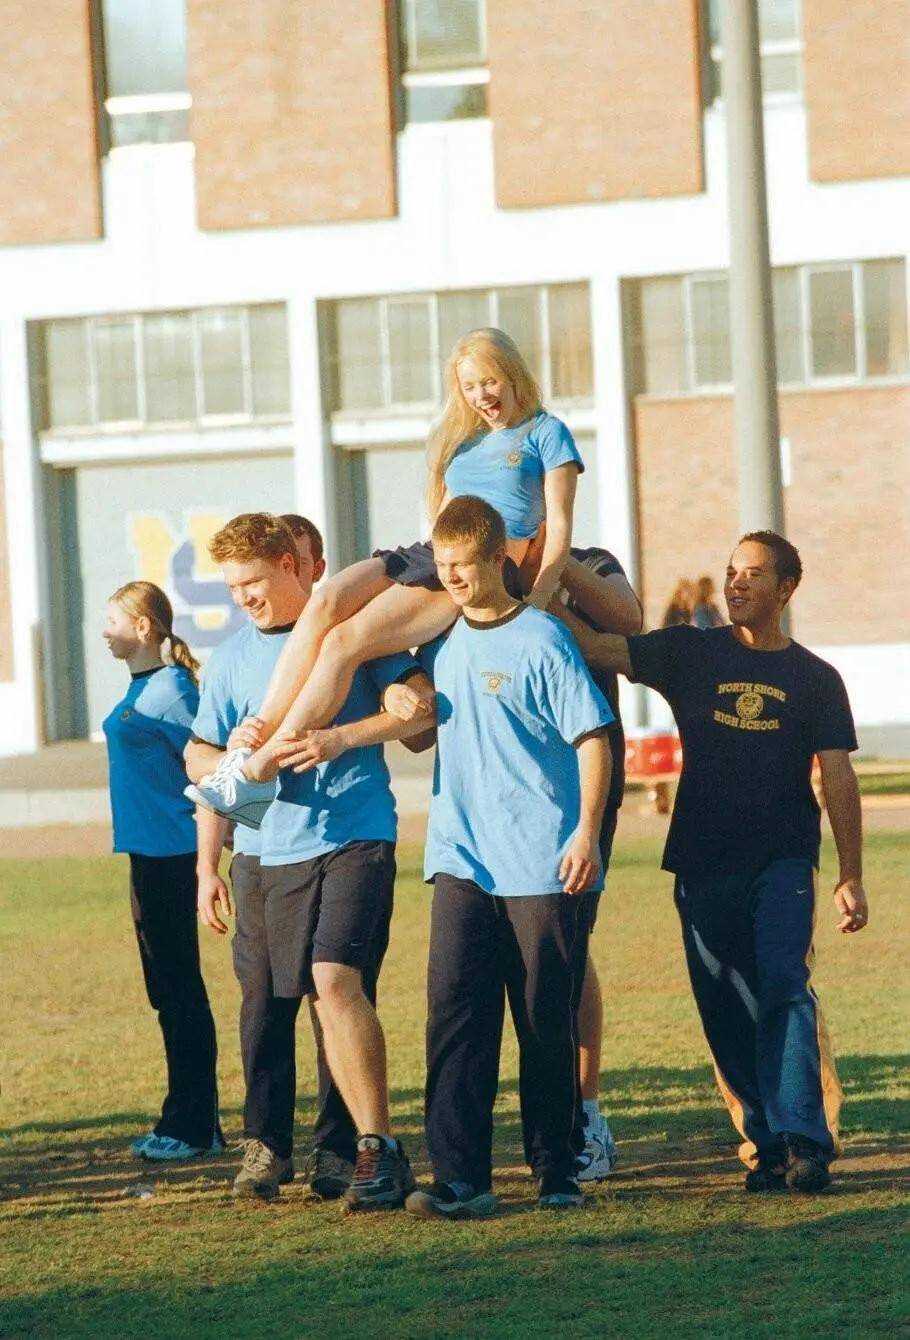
{"points": [[838, 378], [98, 427], [689, 283], [456, 76]]}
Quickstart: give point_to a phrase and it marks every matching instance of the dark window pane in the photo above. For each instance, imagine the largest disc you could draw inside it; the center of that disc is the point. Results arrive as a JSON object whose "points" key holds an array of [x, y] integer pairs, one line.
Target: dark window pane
{"points": [[115, 369], [410, 352], [711, 331], [459, 313], [358, 356], [66, 353], [788, 334], [441, 34], [664, 336], [270, 360], [885, 301], [449, 102], [170, 381], [221, 354], [571, 369], [144, 46], [833, 335]]}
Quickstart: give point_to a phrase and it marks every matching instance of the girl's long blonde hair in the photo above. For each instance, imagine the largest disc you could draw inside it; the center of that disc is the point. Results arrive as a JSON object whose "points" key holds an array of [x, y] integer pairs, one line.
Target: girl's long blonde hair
{"points": [[145, 599], [494, 351]]}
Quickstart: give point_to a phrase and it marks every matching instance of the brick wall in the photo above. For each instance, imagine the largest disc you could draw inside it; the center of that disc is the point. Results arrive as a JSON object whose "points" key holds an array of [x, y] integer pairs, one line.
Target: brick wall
{"points": [[857, 88], [49, 179], [292, 111], [846, 507], [594, 101]]}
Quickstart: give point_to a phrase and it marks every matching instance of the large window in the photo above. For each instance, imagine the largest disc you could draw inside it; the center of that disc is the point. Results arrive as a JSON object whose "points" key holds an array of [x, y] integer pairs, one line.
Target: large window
{"points": [[780, 36], [833, 323], [215, 365], [388, 353], [443, 59], [147, 100]]}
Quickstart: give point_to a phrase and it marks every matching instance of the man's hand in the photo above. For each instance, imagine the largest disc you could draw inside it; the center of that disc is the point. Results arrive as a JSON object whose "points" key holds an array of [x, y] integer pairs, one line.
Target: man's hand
{"points": [[213, 896], [405, 703], [306, 749], [580, 864], [850, 901], [248, 735]]}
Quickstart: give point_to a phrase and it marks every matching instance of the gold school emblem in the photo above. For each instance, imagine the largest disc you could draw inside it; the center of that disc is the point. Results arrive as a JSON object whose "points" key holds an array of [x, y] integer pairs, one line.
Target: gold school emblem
{"points": [[750, 706], [495, 679], [514, 457]]}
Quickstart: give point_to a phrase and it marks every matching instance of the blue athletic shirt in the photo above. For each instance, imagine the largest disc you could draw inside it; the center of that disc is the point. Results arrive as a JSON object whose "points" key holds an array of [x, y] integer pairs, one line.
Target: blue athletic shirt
{"points": [[506, 468], [233, 688], [513, 698], [146, 735], [347, 799]]}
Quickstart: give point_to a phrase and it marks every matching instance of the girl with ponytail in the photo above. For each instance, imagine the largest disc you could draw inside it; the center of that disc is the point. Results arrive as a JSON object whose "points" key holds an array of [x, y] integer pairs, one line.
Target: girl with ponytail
{"points": [[494, 440], [146, 733]]}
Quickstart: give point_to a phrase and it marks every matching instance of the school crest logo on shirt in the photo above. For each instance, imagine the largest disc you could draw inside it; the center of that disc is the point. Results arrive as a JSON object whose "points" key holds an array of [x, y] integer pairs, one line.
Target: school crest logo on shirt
{"points": [[749, 706], [495, 680], [126, 714], [513, 457]]}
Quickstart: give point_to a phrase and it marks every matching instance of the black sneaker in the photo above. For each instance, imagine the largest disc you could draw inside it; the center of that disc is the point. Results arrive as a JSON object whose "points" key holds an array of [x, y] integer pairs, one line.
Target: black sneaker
{"points": [[382, 1175], [451, 1200], [558, 1191], [768, 1173], [327, 1174], [807, 1165]]}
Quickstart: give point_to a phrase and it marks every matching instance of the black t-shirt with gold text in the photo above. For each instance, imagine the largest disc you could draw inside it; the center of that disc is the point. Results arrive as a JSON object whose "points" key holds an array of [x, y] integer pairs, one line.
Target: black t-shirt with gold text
{"points": [[750, 723]]}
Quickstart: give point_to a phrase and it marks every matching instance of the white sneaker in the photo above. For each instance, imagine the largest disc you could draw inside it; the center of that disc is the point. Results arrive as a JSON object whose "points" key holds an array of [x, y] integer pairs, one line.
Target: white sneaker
{"points": [[227, 792], [598, 1158]]}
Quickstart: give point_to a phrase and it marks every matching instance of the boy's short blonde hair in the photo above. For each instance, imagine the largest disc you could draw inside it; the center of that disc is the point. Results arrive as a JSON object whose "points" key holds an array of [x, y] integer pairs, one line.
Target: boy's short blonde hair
{"points": [[254, 535], [470, 520]]}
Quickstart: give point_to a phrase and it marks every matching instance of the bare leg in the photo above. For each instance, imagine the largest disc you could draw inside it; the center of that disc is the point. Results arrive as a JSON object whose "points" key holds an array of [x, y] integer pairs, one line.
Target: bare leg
{"points": [[337, 599], [590, 1032], [398, 618], [354, 1045]]}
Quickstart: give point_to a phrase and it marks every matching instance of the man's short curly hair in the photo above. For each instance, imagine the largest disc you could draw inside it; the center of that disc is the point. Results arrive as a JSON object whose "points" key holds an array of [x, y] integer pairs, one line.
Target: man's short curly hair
{"points": [[470, 520], [254, 535]]}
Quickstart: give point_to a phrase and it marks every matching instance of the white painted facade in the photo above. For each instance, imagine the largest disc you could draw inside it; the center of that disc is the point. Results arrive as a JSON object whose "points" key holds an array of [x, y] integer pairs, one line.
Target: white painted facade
{"points": [[448, 235]]}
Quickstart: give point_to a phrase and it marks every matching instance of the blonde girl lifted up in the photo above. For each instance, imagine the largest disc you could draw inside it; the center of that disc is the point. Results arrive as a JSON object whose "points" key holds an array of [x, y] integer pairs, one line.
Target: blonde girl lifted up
{"points": [[493, 439]]}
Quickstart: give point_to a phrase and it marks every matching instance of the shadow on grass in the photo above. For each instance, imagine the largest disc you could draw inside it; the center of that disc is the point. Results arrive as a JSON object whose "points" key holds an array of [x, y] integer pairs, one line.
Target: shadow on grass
{"points": [[660, 1115], [574, 1274]]}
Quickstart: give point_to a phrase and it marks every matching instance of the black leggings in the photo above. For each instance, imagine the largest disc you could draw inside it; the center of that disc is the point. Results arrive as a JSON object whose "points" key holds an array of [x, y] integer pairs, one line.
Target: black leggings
{"points": [[163, 900]]}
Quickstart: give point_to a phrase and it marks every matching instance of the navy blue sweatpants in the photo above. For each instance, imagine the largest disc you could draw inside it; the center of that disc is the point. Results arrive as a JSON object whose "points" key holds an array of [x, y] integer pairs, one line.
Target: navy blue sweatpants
{"points": [[748, 943]]}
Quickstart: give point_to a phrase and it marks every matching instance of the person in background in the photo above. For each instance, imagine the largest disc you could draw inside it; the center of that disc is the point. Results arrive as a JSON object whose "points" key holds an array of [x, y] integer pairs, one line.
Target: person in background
{"points": [[146, 734], [681, 606], [705, 613]]}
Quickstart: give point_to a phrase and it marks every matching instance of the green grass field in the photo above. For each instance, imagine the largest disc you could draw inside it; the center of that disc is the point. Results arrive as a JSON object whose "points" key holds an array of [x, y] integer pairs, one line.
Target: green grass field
{"points": [[671, 1242]]}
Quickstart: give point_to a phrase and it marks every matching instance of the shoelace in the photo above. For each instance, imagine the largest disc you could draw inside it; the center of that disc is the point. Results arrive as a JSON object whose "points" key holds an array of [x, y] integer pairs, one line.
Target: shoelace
{"points": [[258, 1157], [368, 1161]]}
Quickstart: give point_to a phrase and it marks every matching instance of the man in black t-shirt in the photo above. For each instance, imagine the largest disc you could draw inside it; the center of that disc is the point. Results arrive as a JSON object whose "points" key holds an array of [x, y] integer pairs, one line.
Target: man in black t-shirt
{"points": [[753, 708], [596, 591]]}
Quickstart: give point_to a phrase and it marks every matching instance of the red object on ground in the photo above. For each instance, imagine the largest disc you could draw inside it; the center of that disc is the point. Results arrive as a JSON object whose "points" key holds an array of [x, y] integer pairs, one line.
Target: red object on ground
{"points": [[650, 756]]}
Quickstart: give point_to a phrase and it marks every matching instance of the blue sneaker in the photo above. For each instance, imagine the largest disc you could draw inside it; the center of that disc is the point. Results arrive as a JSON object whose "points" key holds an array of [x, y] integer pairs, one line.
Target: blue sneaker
{"points": [[167, 1149], [227, 792], [451, 1200]]}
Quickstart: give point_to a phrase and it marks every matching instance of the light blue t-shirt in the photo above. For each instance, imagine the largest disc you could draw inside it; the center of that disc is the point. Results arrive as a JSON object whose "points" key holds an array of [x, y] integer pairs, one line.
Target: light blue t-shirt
{"points": [[233, 688], [347, 799], [146, 735], [506, 468], [512, 699]]}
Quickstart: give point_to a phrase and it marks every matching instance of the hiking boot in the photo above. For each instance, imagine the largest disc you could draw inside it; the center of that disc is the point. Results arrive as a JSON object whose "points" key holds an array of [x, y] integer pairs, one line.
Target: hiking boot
{"points": [[451, 1200], [262, 1172], [807, 1165], [598, 1158], [559, 1191], [327, 1174], [382, 1176]]}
